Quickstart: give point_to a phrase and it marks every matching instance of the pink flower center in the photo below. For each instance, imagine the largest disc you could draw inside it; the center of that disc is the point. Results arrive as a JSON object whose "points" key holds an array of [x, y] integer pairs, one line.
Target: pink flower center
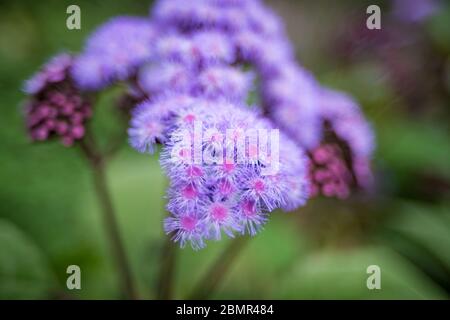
{"points": [[212, 79], [194, 171], [219, 212], [195, 51], [152, 129], [188, 223], [259, 186], [189, 118], [228, 167], [184, 153], [189, 192], [248, 208]]}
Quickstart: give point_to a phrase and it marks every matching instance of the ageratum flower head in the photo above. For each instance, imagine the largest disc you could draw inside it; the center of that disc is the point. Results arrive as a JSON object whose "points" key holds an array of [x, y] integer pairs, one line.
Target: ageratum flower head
{"points": [[192, 68], [171, 77], [228, 170], [187, 15], [342, 161], [224, 81], [262, 20], [153, 120], [114, 52], [212, 47], [55, 107], [195, 50], [225, 15], [53, 72], [212, 82], [225, 178], [291, 99]]}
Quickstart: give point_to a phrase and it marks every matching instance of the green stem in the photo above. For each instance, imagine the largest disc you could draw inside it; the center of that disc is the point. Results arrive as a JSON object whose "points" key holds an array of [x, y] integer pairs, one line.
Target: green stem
{"points": [[212, 279], [167, 270], [98, 169]]}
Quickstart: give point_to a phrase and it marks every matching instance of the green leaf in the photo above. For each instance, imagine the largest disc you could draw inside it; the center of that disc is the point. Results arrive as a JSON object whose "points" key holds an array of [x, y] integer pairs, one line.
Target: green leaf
{"points": [[422, 233], [342, 275], [414, 146], [24, 271]]}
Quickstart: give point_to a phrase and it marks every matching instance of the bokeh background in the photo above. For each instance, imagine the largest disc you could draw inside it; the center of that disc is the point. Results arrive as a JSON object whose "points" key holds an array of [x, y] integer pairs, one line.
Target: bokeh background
{"points": [[49, 216]]}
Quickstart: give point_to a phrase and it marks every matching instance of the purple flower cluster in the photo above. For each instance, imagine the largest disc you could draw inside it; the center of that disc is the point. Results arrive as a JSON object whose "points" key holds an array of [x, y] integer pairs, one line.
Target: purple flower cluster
{"points": [[216, 193], [209, 194], [342, 161], [216, 55], [346, 120], [329, 174], [56, 107], [114, 52], [208, 77], [153, 120]]}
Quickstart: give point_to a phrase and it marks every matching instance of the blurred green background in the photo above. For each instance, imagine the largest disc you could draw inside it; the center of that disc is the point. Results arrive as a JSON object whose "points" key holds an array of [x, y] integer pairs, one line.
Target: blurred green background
{"points": [[49, 216]]}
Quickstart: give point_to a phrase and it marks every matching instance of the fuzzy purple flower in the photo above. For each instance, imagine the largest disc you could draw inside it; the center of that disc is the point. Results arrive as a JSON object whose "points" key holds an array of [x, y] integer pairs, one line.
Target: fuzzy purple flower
{"points": [[169, 76], [213, 47], [55, 107], [226, 176], [186, 15], [291, 98], [224, 81], [186, 227], [231, 190], [263, 20], [114, 51], [192, 69], [53, 72], [342, 162], [199, 49], [153, 120], [174, 47], [347, 121], [220, 216]]}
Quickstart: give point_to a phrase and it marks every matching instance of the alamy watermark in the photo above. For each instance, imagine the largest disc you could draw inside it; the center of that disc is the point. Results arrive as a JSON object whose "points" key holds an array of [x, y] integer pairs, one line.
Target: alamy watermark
{"points": [[74, 279], [73, 21], [374, 280], [374, 20], [236, 146]]}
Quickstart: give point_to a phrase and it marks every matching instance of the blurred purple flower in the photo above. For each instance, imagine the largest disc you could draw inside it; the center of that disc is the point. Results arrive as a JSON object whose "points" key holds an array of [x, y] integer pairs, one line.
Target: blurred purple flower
{"points": [[153, 120], [169, 76], [54, 71], [192, 69], [199, 90], [213, 47], [186, 227], [55, 107], [114, 51], [342, 162], [200, 14], [291, 98], [414, 10], [224, 81]]}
